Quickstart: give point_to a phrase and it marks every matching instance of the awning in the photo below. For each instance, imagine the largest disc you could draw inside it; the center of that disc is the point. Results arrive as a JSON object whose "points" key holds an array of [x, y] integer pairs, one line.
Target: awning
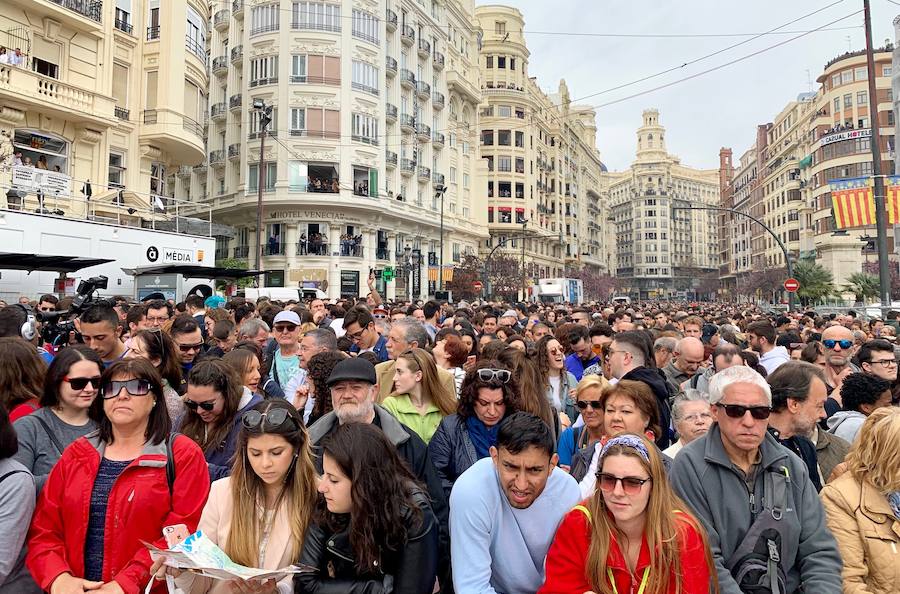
{"points": [[806, 161], [34, 262], [192, 271]]}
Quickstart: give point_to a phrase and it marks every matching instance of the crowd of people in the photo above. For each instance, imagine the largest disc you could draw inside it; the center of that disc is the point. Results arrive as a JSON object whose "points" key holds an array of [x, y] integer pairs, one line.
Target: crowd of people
{"points": [[415, 448]]}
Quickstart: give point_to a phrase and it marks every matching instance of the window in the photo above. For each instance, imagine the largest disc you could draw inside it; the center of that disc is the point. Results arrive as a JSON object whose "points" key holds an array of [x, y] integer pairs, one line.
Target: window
{"points": [[264, 18], [520, 190], [862, 98], [298, 69], [271, 174], [490, 191], [298, 121], [157, 179], [453, 175], [837, 104], [490, 214], [504, 111], [887, 70], [512, 63], [489, 61], [503, 137], [504, 163], [505, 215], [520, 165], [195, 35], [861, 73], [848, 100], [365, 128], [835, 80], [318, 16], [466, 180], [520, 139], [123, 15], [365, 77], [263, 71], [487, 137], [116, 170], [120, 84], [501, 61], [254, 124], [315, 69], [365, 26], [846, 76], [500, 27]]}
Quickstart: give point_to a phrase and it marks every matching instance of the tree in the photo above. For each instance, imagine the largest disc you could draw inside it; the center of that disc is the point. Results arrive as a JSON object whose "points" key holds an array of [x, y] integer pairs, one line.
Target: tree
{"points": [[464, 276], [816, 282], [863, 285], [235, 264], [762, 283], [872, 268], [596, 286], [505, 276]]}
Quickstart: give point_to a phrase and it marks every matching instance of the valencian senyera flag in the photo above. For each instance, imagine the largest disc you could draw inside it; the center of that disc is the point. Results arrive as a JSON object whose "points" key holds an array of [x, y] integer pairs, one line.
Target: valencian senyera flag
{"points": [[853, 201]]}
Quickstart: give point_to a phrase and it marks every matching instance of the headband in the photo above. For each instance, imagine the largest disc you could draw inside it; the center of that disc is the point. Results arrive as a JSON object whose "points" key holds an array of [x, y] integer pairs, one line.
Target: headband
{"points": [[630, 441]]}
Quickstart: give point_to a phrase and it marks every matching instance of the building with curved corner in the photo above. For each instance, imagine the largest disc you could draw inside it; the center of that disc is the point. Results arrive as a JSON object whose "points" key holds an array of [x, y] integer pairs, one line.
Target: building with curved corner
{"points": [[372, 132]]}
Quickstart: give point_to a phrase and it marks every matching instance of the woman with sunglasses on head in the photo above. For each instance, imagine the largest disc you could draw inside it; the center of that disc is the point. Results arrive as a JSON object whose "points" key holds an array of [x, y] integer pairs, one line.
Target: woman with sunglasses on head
{"points": [[633, 534], [488, 395], [215, 401], [419, 400], [112, 489], [70, 388], [159, 348], [259, 514], [373, 529], [588, 394]]}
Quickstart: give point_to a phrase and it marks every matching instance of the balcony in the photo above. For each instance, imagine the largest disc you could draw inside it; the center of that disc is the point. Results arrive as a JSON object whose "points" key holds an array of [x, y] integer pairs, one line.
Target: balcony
{"points": [[423, 89], [407, 79], [217, 158], [456, 82], [349, 249], [382, 253], [437, 100], [222, 19], [234, 151], [424, 173], [438, 60], [390, 159], [273, 248], [437, 179], [52, 98], [390, 20], [370, 140], [91, 10], [218, 111], [124, 26], [407, 35], [153, 33], [184, 171], [423, 131], [437, 139], [235, 102], [390, 66], [407, 166], [390, 112], [237, 54], [122, 113], [220, 65], [407, 122], [364, 88], [241, 251], [424, 48], [194, 46], [304, 23], [237, 8]]}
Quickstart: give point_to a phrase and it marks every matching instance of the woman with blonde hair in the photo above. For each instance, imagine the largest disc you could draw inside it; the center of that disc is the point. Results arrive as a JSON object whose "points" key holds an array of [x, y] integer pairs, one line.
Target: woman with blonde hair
{"points": [[260, 513], [862, 507], [633, 534], [588, 394], [419, 400]]}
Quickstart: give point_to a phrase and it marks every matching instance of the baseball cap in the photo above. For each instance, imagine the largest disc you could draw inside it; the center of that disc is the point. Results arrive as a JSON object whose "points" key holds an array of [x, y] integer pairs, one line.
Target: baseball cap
{"points": [[288, 317], [379, 310], [355, 369], [509, 314]]}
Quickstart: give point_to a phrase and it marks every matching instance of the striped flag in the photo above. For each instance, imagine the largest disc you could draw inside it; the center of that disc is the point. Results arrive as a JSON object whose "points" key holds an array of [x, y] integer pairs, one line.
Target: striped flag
{"points": [[853, 202]]}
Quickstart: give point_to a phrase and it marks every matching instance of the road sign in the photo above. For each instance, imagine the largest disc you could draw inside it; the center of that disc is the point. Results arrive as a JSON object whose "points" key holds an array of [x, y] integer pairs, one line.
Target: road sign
{"points": [[791, 285], [477, 285]]}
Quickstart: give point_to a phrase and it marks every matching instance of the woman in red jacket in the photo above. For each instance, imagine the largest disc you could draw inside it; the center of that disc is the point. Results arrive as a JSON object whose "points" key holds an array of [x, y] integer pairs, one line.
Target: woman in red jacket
{"points": [[626, 538], [111, 489]]}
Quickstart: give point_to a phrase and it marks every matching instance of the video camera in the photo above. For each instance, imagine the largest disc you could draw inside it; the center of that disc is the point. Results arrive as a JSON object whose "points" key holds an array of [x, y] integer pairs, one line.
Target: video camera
{"points": [[56, 325]]}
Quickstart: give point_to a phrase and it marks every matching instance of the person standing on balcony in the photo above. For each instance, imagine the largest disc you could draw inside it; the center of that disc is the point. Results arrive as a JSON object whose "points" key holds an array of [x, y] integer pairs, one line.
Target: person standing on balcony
{"points": [[4, 57]]}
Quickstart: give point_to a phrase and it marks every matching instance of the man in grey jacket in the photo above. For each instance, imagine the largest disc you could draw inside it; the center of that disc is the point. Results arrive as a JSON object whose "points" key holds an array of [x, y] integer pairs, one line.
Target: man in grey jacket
{"points": [[727, 476]]}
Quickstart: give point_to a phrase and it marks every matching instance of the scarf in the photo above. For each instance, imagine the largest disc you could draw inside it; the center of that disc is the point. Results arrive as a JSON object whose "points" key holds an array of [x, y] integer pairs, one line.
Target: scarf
{"points": [[894, 500], [482, 437]]}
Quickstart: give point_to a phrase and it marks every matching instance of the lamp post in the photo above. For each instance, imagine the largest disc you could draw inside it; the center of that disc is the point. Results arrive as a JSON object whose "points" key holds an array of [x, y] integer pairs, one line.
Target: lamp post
{"points": [[441, 189], [487, 260], [524, 287], [265, 118]]}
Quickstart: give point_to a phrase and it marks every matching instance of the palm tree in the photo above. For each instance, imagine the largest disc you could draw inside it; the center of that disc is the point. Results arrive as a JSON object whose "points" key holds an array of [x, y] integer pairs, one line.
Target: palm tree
{"points": [[862, 285], [816, 282]]}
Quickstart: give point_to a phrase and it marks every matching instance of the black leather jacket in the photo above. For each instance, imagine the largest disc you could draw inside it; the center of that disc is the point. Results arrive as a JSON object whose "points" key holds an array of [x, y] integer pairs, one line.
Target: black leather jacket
{"points": [[411, 570]]}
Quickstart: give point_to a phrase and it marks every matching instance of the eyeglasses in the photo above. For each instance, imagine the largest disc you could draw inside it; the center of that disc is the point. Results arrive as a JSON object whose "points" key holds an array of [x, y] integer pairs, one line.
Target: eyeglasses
{"points": [[737, 411], [884, 362], [354, 336], [134, 387], [284, 328], [273, 418], [594, 404], [630, 484], [184, 348], [207, 406], [844, 343], [611, 352], [697, 417], [157, 319], [491, 375], [80, 383]]}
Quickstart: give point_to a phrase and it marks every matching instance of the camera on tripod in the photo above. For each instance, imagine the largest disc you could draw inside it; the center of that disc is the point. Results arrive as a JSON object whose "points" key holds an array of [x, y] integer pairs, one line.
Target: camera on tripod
{"points": [[56, 325]]}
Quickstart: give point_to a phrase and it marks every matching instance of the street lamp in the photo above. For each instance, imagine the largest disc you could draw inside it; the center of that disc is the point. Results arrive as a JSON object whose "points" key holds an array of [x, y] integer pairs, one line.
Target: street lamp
{"points": [[439, 191], [265, 118], [524, 287]]}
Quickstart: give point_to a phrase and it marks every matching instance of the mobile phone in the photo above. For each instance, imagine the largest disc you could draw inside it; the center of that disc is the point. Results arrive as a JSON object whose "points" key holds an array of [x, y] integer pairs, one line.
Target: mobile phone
{"points": [[175, 534]]}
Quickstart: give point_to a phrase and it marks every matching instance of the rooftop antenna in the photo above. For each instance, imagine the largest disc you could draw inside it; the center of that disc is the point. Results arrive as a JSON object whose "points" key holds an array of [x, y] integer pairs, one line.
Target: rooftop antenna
{"points": [[849, 44], [809, 81]]}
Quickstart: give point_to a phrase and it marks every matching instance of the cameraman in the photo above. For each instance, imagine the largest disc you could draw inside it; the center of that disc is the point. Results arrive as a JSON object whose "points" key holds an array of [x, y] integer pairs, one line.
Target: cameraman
{"points": [[99, 327], [12, 318]]}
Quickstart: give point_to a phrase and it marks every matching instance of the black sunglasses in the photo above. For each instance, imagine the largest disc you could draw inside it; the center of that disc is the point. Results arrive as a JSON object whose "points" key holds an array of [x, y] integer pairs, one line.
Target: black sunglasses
{"points": [[134, 387], [80, 383], [272, 418], [207, 406], [583, 404], [737, 411]]}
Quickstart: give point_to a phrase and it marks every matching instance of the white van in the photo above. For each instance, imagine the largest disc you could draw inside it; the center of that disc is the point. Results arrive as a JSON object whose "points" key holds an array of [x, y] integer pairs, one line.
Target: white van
{"points": [[622, 300], [283, 293]]}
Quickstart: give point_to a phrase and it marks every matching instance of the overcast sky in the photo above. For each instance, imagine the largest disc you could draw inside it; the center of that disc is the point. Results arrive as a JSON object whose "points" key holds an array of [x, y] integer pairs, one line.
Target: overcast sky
{"points": [[721, 108]]}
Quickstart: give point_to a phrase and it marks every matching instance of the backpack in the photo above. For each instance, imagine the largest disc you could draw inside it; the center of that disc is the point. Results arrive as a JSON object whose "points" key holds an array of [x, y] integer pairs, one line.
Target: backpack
{"points": [[170, 462], [756, 562]]}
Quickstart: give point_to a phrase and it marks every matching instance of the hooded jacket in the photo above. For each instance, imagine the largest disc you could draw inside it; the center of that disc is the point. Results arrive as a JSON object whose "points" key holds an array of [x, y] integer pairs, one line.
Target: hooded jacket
{"points": [[655, 378], [846, 424], [452, 451], [709, 482]]}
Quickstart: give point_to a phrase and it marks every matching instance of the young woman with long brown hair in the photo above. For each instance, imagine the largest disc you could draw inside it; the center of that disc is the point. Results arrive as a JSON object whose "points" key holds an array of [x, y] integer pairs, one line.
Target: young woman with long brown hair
{"points": [[21, 377], [633, 534], [259, 514], [419, 400]]}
